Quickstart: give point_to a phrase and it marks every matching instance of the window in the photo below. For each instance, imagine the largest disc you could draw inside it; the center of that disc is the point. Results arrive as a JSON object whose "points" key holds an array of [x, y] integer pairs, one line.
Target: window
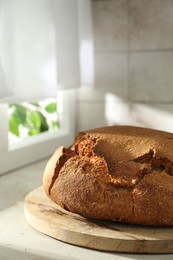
{"points": [[15, 153], [47, 39], [28, 119]]}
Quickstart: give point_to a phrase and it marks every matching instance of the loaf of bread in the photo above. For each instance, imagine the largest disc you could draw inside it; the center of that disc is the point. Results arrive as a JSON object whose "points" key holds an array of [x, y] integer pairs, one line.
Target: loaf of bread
{"points": [[119, 173]]}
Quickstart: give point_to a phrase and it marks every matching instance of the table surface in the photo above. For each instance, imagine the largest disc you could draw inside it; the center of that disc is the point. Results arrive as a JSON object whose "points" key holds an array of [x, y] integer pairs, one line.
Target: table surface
{"points": [[18, 240]]}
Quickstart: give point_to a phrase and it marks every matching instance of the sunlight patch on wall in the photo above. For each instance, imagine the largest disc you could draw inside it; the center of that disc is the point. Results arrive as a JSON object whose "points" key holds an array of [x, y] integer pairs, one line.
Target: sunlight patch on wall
{"points": [[116, 110], [152, 117], [119, 112]]}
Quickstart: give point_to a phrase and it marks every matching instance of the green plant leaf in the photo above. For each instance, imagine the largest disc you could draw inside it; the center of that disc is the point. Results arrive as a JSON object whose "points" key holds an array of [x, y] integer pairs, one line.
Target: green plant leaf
{"points": [[36, 122], [16, 118], [13, 126], [36, 104], [33, 120], [51, 108], [19, 113], [44, 125], [33, 132]]}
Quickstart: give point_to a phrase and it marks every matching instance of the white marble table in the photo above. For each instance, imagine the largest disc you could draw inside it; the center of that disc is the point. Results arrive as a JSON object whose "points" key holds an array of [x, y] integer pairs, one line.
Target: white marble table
{"points": [[19, 241]]}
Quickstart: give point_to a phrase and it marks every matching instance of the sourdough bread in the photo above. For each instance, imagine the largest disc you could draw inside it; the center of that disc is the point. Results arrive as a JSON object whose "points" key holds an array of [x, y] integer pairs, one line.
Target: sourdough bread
{"points": [[120, 173]]}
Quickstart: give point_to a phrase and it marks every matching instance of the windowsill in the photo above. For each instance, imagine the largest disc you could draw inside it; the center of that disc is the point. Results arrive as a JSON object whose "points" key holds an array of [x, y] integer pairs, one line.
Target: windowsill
{"points": [[18, 240]]}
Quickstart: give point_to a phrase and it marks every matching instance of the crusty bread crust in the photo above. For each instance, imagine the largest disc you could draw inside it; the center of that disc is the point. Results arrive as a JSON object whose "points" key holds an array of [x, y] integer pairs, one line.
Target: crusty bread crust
{"points": [[120, 173], [49, 172]]}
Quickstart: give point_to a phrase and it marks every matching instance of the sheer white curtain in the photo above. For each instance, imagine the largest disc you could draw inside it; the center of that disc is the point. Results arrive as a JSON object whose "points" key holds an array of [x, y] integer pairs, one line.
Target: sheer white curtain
{"points": [[39, 47], [4, 91]]}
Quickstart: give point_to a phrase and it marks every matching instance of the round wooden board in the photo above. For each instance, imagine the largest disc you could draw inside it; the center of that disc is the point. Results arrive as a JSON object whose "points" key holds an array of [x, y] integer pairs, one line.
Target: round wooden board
{"points": [[47, 217]]}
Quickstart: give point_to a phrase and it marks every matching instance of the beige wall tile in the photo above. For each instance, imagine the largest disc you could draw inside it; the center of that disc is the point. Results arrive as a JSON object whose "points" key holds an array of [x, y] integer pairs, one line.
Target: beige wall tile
{"points": [[150, 24], [151, 76], [98, 114], [90, 115], [116, 111], [110, 24], [142, 74], [91, 94], [111, 73], [157, 116]]}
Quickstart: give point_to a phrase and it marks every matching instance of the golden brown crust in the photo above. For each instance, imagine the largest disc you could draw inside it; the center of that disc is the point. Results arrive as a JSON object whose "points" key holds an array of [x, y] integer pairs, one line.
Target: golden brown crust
{"points": [[120, 173], [49, 171]]}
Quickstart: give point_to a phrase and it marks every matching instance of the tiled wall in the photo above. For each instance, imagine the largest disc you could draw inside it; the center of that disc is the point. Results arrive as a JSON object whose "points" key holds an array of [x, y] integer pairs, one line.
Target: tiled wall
{"points": [[133, 42]]}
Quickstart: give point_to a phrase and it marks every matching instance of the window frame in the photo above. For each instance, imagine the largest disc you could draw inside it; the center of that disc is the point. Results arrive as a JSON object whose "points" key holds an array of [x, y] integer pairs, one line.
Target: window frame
{"points": [[39, 147]]}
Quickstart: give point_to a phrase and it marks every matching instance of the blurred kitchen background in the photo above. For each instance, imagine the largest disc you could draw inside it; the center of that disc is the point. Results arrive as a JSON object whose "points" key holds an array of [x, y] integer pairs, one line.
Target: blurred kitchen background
{"points": [[133, 56], [110, 60]]}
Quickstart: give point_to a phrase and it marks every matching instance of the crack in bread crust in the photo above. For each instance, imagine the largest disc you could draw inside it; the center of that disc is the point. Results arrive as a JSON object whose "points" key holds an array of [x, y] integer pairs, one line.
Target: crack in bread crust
{"points": [[66, 154]]}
